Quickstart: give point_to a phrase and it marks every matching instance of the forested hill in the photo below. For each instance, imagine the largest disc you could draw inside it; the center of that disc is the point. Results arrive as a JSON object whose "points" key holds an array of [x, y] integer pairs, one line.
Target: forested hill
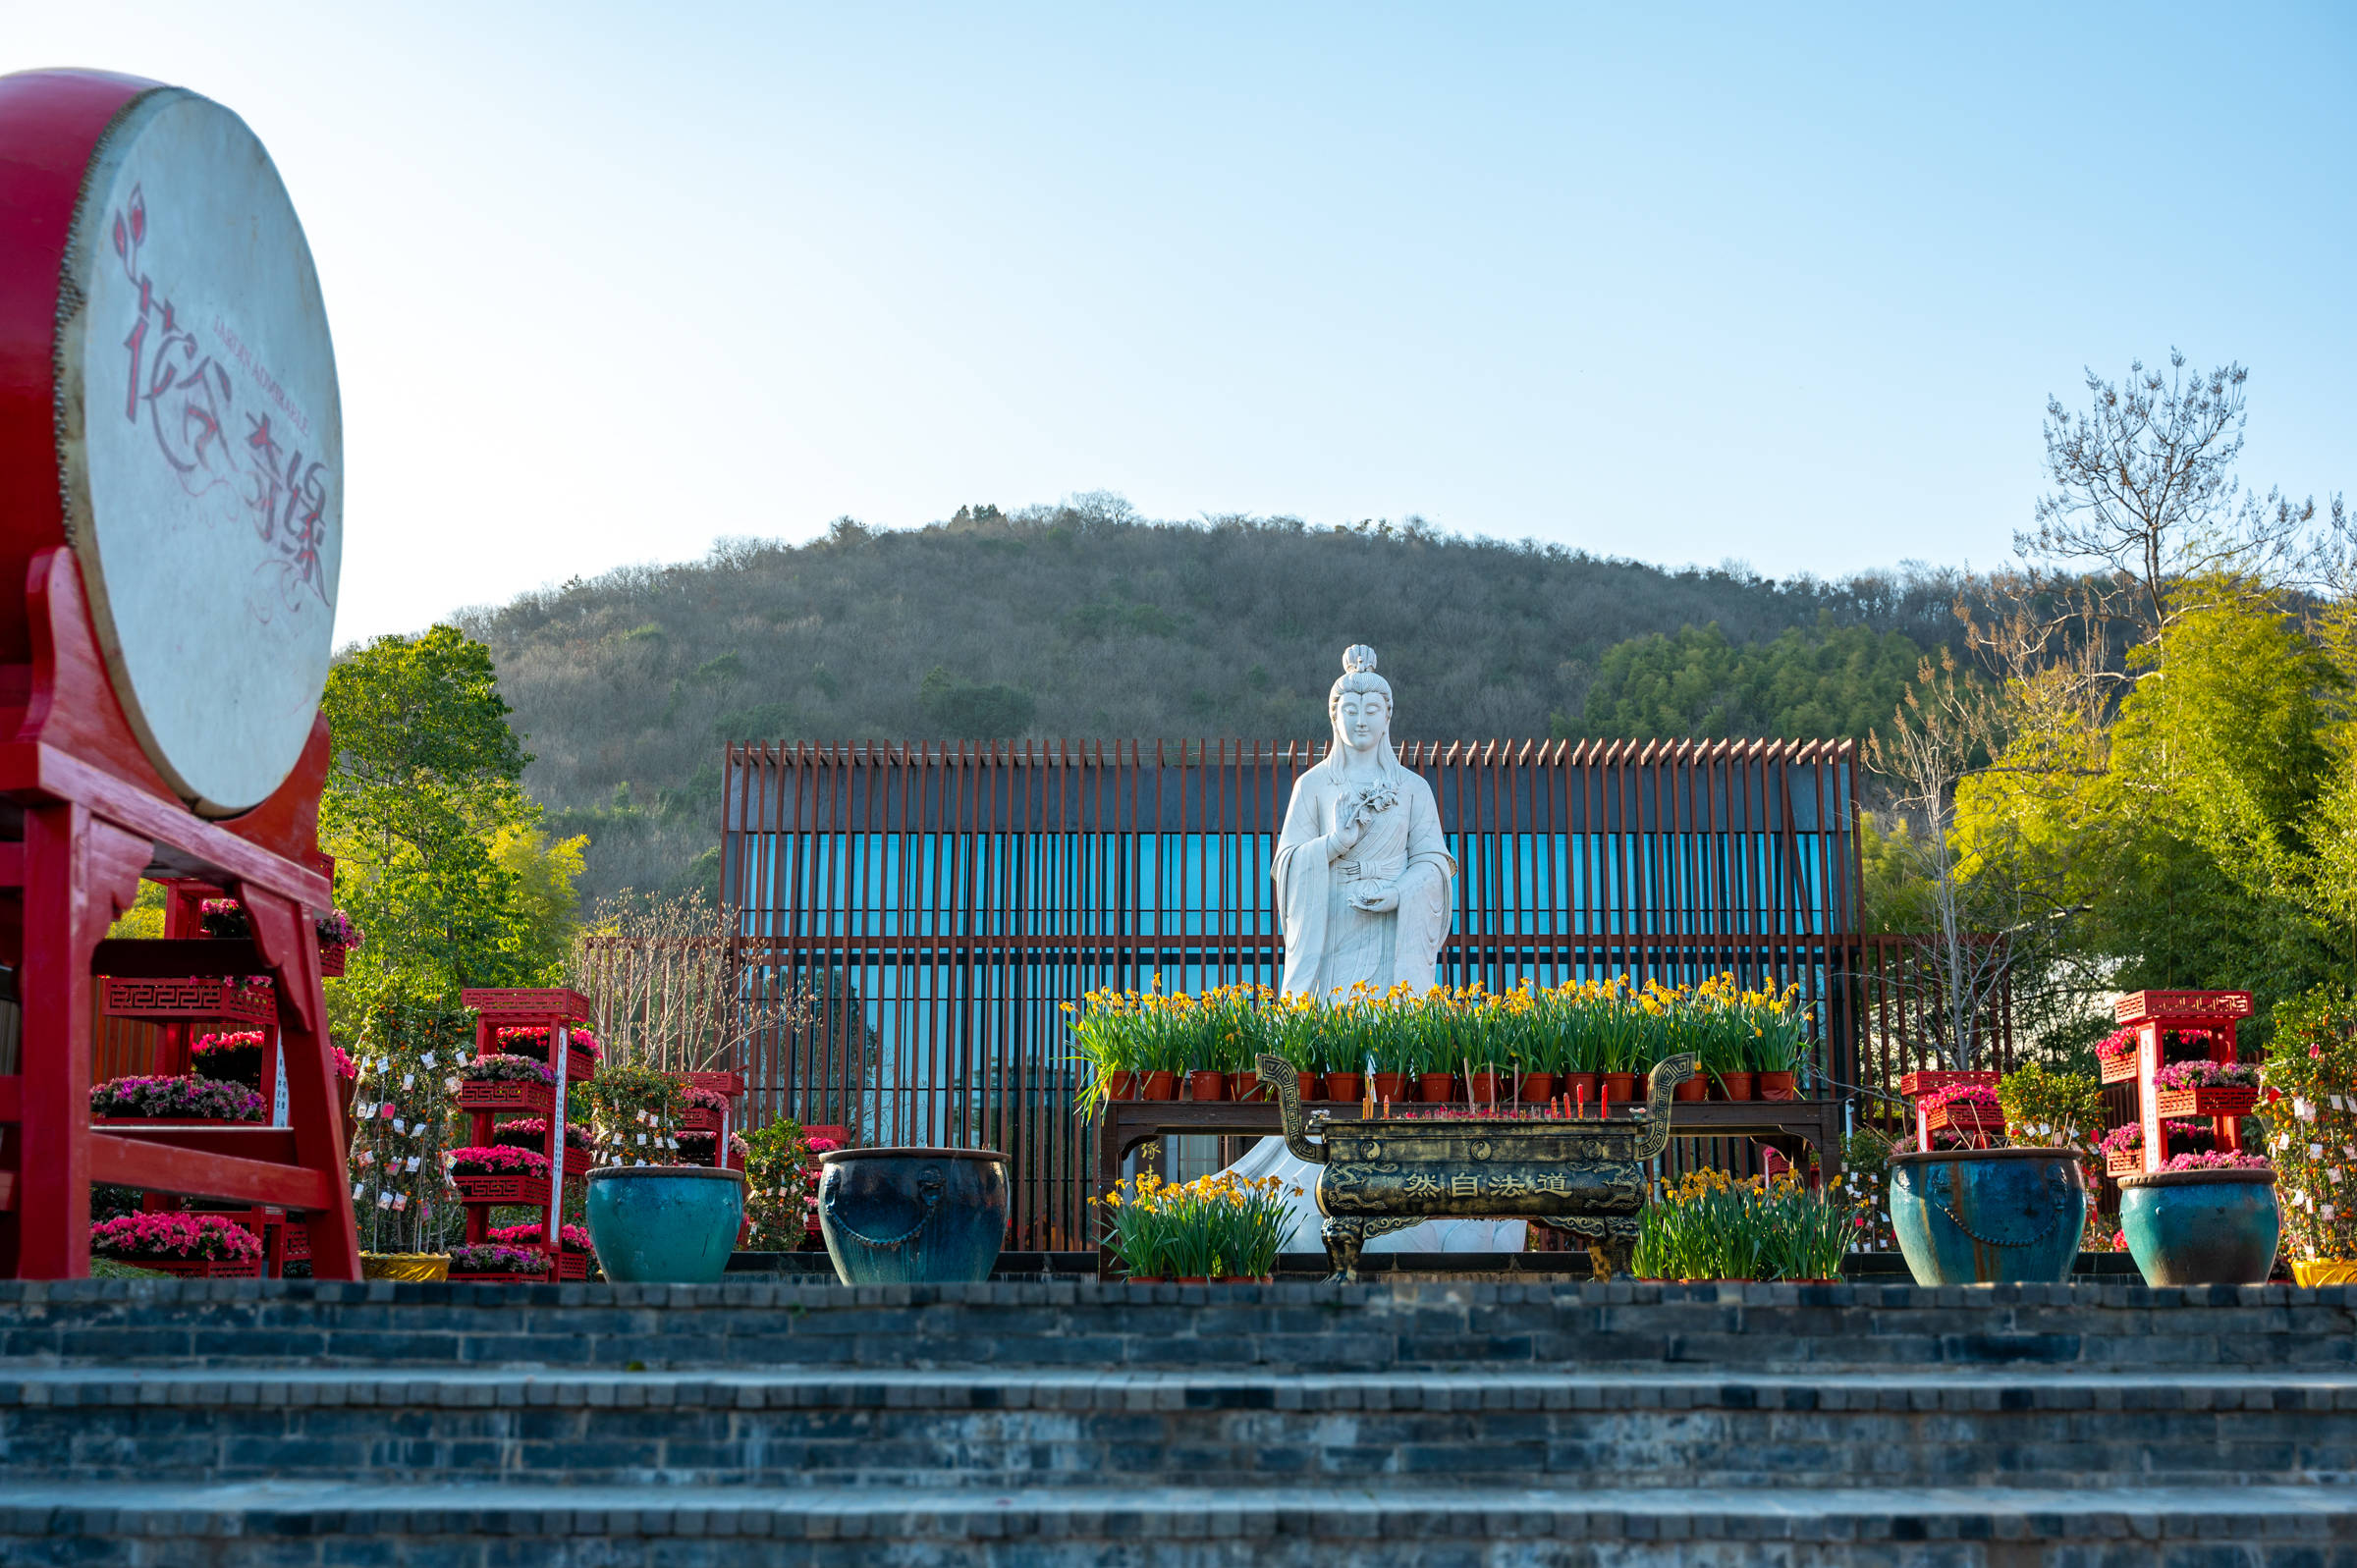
{"points": [[1084, 619]]}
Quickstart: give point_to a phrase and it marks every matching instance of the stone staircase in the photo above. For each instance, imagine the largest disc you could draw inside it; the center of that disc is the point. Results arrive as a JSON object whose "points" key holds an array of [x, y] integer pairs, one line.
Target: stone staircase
{"points": [[1500, 1426]]}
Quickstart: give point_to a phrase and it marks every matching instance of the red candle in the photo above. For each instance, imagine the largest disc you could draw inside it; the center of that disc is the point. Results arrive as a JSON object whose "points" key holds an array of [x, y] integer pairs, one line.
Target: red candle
{"points": [[1604, 1102], [1583, 1092]]}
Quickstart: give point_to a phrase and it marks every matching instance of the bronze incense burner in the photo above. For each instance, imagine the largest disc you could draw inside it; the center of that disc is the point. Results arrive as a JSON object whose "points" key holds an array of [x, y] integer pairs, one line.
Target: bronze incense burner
{"points": [[1385, 1174]]}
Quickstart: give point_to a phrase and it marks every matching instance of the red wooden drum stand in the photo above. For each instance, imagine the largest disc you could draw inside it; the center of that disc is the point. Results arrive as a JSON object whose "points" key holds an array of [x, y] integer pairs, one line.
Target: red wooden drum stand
{"points": [[85, 805]]}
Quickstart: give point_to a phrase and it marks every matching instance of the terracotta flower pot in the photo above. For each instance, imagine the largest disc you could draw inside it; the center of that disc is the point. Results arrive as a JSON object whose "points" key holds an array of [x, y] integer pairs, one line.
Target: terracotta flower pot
{"points": [[1696, 1087], [1776, 1086], [1486, 1087], [1309, 1086], [1344, 1086], [1622, 1086], [1538, 1088], [1390, 1086], [1158, 1086], [1245, 1086], [1738, 1085], [1579, 1087], [1121, 1085], [1206, 1085], [1436, 1088]]}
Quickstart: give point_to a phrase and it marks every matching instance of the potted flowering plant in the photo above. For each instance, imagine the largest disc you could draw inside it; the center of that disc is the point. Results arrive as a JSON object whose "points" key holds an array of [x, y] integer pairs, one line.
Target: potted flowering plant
{"points": [[1215, 1227], [505, 1082], [190, 1099], [2116, 1056], [338, 936], [2123, 1147], [531, 1040], [494, 1263], [1709, 1226], [655, 1217], [2207, 1088], [777, 1186], [530, 1132], [706, 1108], [499, 1173], [231, 1056], [570, 1238], [203, 1246], [1970, 1109]]}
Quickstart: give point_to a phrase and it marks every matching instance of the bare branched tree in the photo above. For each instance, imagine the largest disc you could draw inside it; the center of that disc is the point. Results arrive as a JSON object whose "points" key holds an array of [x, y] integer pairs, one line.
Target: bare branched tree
{"points": [[2144, 491], [666, 983], [1989, 920]]}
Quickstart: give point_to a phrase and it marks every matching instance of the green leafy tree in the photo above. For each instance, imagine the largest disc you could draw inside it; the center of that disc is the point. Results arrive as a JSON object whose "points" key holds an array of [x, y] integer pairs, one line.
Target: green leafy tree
{"points": [[1822, 685], [437, 854]]}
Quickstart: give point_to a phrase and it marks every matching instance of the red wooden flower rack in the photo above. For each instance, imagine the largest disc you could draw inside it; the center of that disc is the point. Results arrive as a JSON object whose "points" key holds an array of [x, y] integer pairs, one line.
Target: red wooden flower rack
{"points": [[557, 1009], [1964, 1116], [2154, 1014], [1916, 1086], [701, 1118], [2225, 1101], [2118, 1069]]}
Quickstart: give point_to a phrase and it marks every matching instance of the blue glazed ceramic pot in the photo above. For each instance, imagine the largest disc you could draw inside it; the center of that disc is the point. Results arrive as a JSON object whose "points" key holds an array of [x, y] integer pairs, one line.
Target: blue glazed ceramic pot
{"points": [[2201, 1227], [665, 1224], [1978, 1217], [895, 1216]]}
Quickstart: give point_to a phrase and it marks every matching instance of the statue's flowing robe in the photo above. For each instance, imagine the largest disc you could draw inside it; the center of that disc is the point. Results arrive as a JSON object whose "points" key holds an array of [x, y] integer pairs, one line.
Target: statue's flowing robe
{"points": [[1332, 945]]}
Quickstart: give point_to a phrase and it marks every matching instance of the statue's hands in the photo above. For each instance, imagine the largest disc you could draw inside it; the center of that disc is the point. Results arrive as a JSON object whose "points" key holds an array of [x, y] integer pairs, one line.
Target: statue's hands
{"points": [[1377, 900], [1348, 834]]}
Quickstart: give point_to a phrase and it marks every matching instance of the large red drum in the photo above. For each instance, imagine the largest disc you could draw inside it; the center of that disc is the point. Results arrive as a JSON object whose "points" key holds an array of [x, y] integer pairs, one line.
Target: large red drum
{"points": [[168, 407]]}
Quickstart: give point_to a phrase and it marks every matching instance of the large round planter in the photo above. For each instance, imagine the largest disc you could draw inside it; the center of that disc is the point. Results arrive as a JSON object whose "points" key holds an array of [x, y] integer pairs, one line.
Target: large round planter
{"points": [[2201, 1227], [1978, 1217], [897, 1217], [665, 1224]]}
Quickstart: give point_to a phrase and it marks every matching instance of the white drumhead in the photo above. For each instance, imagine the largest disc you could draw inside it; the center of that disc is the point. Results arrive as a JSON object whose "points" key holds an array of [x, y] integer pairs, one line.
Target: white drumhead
{"points": [[202, 446]]}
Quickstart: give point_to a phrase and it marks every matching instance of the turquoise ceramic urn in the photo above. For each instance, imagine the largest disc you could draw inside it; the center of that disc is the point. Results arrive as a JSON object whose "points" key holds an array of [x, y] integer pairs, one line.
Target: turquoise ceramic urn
{"points": [[2201, 1227], [665, 1224], [1979, 1217], [912, 1216]]}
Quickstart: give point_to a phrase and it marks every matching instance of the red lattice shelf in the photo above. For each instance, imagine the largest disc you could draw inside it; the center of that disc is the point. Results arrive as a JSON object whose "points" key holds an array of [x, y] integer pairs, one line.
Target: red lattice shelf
{"points": [[700, 1118], [1965, 1118], [502, 1189], [2220, 1101], [538, 1099], [331, 963], [731, 1084], [207, 996], [2118, 1069], [200, 1268], [510, 1005], [2124, 1163], [1923, 1083]]}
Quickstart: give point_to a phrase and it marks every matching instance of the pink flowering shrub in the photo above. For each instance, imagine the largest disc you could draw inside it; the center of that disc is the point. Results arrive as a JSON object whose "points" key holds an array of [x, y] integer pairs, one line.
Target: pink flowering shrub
{"points": [[497, 1160], [708, 1098], [191, 1099], [528, 1132], [821, 1146], [2208, 1075], [336, 930], [1980, 1096], [2217, 1160], [573, 1238], [531, 1040], [175, 1235], [2119, 1043], [2120, 1140], [346, 1067], [507, 1069], [494, 1260], [213, 1046]]}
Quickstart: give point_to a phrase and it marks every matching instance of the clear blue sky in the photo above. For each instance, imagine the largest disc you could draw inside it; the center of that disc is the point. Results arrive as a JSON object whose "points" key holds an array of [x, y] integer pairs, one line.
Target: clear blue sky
{"points": [[609, 281]]}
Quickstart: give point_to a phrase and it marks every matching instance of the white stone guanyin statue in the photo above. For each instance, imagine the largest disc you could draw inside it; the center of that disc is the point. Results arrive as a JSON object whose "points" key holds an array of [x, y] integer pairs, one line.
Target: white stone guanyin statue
{"points": [[1364, 871], [1364, 883]]}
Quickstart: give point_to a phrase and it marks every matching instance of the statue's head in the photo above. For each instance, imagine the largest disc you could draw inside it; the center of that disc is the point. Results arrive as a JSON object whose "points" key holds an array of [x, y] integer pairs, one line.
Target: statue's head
{"points": [[1361, 703]]}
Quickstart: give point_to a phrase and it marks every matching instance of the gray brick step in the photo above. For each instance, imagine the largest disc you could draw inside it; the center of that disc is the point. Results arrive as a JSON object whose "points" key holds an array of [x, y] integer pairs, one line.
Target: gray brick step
{"points": [[1492, 1527], [1311, 1327], [1240, 1429]]}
